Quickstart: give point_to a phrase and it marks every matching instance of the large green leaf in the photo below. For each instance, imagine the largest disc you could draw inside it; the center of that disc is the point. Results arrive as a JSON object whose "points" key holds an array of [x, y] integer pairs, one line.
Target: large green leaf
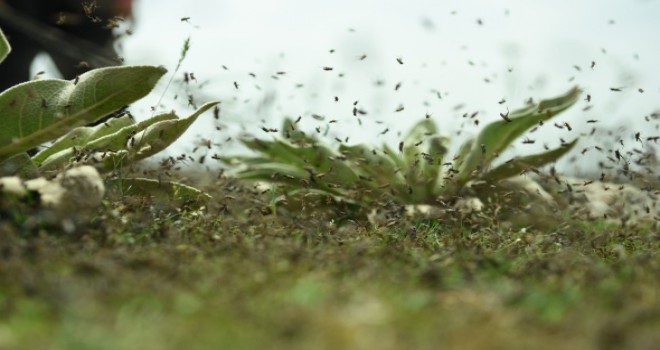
{"points": [[448, 183], [5, 49], [422, 171], [417, 134], [432, 168], [286, 174], [496, 136], [298, 150], [160, 135], [274, 172], [129, 144], [112, 145], [399, 161], [81, 136], [464, 151], [519, 164], [295, 136], [316, 157], [278, 150], [38, 111], [120, 139], [107, 161], [376, 171]]}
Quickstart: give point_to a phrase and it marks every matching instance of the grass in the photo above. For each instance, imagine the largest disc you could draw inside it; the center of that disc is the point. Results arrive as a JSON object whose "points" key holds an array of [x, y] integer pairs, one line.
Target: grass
{"points": [[145, 276]]}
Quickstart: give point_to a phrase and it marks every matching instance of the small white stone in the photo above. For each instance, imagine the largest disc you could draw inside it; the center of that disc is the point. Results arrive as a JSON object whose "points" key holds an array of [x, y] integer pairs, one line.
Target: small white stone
{"points": [[12, 185], [76, 189], [469, 205]]}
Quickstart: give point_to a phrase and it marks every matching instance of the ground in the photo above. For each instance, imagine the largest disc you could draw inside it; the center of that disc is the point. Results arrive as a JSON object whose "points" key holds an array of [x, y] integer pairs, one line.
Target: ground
{"points": [[141, 275]]}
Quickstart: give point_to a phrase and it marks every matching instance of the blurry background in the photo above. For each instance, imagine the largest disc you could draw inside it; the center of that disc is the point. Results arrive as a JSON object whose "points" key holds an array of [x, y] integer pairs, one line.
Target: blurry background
{"points": [[458, 57]]}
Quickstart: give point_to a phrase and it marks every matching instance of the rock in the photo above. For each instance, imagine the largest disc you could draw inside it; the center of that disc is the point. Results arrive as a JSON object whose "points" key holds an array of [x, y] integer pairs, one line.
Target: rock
{"points": [[12, 185], [64, 200], [75, 189]]}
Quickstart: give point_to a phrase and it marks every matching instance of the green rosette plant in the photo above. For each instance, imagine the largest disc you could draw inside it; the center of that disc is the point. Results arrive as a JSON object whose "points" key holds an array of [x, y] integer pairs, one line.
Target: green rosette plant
{"points": [[419, 172]]}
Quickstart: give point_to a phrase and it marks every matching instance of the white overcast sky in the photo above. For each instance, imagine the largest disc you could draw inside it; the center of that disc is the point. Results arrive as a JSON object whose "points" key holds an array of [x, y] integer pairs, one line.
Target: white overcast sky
{"points": [[475, 53]]}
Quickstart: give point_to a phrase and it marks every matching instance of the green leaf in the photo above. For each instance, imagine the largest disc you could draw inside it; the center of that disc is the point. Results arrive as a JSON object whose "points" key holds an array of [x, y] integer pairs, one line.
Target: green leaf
{"points": [[108, 161], [275, 172], [112, 145], [464, 151], [293, 176], [418, 133], [272, 171], [496, 136], [398, 160], [432, 168], [160, 135], [5, 49], [278, 150], [246, 160], [368, 162], [422, 172], [380, 170], [171, 192], [129, 144], [81, 136], [295, 136], [38, 111], [120, 139], [519, 164], [321, 159]]}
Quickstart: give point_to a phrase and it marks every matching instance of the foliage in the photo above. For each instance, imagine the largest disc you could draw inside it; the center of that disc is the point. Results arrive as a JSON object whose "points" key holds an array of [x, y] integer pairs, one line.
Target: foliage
{"points": [[119, 141], [39, 111], [419, 173], [497, 136]]}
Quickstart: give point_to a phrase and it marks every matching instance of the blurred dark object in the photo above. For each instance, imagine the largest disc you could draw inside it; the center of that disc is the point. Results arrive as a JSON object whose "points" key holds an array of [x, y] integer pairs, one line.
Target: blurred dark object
{"points": [[77, 35]]}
